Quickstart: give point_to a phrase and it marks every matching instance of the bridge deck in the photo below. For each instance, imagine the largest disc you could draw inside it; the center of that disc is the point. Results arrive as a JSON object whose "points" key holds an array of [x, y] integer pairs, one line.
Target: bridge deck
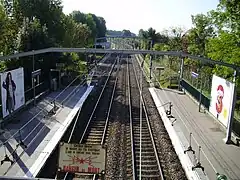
{"points": [[40, 135]]}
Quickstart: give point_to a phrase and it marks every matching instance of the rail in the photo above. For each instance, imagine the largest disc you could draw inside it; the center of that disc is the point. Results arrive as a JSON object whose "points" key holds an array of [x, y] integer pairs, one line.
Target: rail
{"points": [[70, 136], [72, 131], [95, 107], [149, 127], [109, 110], [131, 124]]}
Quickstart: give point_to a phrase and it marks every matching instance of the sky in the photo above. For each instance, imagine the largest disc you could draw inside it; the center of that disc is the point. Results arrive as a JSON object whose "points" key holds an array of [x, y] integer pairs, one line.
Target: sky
{"points": [[142, 14]]}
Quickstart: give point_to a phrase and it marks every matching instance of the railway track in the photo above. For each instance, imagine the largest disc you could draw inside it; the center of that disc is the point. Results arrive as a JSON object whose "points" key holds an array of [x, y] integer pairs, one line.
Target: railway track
{"points": [[113, 122], [95, 131], [170, 163], [143, 162]]}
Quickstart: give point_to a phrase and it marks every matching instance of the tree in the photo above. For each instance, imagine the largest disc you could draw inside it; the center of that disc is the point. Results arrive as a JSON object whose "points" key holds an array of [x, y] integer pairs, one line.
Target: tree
{"points": [[229, 14], [126, 33], [97, 25], [100, 26], [224, 48], [198, 36]]}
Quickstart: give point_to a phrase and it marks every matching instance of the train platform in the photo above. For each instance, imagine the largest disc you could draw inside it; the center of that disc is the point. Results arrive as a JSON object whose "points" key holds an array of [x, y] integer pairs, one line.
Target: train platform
{"points": [[206, 132], [29, 140]]}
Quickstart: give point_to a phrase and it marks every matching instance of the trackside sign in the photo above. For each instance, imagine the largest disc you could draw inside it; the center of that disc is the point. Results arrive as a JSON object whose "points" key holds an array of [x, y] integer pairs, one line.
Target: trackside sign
{"points": [[81, 158]]}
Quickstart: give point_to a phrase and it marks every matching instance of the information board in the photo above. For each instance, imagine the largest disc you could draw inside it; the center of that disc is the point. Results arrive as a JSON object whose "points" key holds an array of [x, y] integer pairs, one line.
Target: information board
{"points": [[81, 158]]}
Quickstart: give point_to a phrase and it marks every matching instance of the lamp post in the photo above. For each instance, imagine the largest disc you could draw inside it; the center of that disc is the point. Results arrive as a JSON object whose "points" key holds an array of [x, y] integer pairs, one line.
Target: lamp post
{"points": [[159, 73], [181, 74], [150, 76], [200, 95], [233, 103]]}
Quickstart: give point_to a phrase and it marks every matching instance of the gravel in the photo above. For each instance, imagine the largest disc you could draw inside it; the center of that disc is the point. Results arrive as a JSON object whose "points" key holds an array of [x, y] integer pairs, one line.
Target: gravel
{"points": [[118, 141]]}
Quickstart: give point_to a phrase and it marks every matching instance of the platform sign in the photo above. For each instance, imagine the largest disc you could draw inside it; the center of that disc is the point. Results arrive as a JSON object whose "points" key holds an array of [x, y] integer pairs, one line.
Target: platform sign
{"points": [[12, 91], [81, 158], [36, 73], [221, 95], [195, 75]]}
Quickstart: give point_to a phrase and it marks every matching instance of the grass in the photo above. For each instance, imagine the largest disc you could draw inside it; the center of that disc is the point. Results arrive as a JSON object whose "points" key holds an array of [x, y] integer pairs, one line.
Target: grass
{"points": [[168, 78]]}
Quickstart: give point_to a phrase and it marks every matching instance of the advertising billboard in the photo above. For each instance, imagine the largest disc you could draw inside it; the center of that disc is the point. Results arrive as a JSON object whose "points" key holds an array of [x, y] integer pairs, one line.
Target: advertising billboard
{"points": [[81, 158], [221, 97], [12, 91]]}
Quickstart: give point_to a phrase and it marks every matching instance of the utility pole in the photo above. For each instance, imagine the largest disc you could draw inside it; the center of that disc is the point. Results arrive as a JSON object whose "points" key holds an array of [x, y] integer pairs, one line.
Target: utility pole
{"points": [[233, 103], [150, 76], [200, 95]]}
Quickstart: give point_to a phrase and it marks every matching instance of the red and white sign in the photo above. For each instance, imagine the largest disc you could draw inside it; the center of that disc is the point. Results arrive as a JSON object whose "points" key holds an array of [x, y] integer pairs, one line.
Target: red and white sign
{"points": [[221, 97], [81, 158]]}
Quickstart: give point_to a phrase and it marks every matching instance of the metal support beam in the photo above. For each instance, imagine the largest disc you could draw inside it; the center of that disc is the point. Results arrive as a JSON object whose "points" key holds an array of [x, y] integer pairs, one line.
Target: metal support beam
{"points": [[200, 93], [150, 73], [233, 103], [120, 51], [33, 80], [181, 74]]}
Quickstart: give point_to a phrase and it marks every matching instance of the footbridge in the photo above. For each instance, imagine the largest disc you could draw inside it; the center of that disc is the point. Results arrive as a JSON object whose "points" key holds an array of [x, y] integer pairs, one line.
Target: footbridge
{"points": [[120, 51]]}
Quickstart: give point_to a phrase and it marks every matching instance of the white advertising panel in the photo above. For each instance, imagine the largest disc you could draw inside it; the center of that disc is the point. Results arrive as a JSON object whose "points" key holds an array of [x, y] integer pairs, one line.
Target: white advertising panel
{"points": [[81, 158], [12, 91], [221, 97]]}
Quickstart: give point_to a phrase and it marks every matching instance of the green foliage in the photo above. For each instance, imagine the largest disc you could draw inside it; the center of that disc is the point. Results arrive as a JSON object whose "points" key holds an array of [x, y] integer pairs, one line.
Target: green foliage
{"points": [[126, 33], [27, 25], [224, 48], [97, 25]]}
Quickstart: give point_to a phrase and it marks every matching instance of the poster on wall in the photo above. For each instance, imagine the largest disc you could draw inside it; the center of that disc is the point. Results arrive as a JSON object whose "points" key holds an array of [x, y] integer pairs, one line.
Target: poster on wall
{"points": [[221, 95], [12, 91]]}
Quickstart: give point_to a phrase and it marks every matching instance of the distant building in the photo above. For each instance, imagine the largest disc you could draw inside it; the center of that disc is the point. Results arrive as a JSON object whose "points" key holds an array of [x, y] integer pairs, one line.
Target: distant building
{"points": [[104, 45]]}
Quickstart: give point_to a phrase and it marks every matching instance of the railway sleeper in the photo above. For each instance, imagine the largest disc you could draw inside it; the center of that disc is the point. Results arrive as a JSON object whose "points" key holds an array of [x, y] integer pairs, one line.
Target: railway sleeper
{"points": [[144, 142], [95, 133], [148, 166], [96, 128], [145, 153], [93, 141], [137, 129], [94, 138], [98, 122], [147, 159], [145, 132], [149, 171], [136, 133], [144, 148], [144, 138], [150, 176], [137, 123]]}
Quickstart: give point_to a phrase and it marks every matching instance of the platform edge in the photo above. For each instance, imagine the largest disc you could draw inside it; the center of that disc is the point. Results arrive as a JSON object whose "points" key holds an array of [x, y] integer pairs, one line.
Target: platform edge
{"points": [[37, 166], [184, 159]]}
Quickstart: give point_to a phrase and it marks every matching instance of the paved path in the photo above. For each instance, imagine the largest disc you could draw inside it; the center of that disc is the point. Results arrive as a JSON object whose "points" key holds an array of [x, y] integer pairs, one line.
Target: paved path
{"points": [[40, 132], [206, 132]]}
